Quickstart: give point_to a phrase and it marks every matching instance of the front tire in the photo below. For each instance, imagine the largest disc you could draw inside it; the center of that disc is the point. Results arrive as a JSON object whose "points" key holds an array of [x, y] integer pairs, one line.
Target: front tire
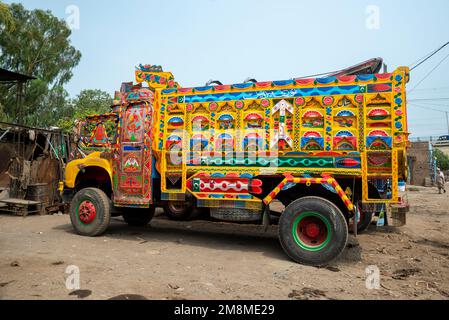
{"points": [[90, 212], [138, 217], [313, 231]]}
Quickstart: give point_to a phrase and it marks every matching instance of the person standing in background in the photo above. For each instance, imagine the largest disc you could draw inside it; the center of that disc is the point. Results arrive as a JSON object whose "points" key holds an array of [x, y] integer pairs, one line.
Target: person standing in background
{"points": [[441, 180]]}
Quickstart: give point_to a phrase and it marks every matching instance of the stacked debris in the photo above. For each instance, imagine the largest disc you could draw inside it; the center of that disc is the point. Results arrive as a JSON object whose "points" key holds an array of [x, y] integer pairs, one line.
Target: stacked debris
{"points": [[32, 162]]}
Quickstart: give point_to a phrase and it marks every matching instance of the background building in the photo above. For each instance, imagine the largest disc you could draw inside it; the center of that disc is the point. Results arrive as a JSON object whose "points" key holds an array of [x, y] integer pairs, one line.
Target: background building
{"points": [[422, 164]]}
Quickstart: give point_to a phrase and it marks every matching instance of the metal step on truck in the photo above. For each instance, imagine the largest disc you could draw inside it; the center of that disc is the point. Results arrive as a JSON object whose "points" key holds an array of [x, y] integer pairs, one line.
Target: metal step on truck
{"points": [[332, 150]]}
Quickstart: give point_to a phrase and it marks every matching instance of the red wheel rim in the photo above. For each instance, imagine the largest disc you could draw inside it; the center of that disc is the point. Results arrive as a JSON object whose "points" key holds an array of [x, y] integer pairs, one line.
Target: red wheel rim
{"points": [[312, 231], [87, 212]]}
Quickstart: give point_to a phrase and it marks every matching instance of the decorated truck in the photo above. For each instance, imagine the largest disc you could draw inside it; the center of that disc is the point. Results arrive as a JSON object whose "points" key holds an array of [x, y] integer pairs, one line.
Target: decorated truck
{"points": [[330, 150]]}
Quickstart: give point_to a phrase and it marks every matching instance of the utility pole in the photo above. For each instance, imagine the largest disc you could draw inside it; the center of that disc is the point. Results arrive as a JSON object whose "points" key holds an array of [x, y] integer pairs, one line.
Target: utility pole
{"points": [[447, 121]]}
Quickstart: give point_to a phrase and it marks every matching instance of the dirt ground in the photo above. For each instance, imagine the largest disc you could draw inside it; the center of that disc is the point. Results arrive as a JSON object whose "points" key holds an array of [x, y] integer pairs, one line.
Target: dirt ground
{"points": [[205, 260]]}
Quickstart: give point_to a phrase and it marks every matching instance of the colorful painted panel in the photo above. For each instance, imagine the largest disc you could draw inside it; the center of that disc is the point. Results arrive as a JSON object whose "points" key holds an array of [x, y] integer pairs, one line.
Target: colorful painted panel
{"points": [[100, 136], [282, 119], [132, 162], [133, 125], [379, 162], [133, 167], [176, 122], [253, 121], [312, 144], [269, 94], [226, 122], [174, 141], [345, 121], [96, 132], [200, 123], [225, 142], [253, 142], [379, 143], [378, 114], [313, 119], [199, 142], [230, 189], [310, 124], [345, 143], [132, 184]]}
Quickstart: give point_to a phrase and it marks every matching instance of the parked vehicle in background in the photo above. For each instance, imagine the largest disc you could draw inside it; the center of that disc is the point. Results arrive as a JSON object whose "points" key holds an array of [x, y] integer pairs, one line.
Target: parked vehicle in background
{"points": [[441, 141]]}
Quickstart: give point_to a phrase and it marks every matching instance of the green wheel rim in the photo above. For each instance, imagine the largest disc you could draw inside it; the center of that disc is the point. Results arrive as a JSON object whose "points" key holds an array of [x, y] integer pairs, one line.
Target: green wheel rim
{"points": [[323, 239]]}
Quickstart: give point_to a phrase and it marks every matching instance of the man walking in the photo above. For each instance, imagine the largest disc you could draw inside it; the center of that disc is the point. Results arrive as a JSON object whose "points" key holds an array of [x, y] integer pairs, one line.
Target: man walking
{"points": [[440, 181]]}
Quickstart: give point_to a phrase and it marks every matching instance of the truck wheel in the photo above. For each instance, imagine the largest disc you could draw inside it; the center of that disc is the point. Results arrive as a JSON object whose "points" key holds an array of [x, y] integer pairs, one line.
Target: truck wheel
{"points": [[313, 231], [90, 212], [179, 211], [138, 217], [365, 221]]}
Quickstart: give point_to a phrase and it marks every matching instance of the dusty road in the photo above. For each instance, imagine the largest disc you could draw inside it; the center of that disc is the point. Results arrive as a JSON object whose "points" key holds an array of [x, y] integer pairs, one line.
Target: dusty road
{"points": [[204, 260]]}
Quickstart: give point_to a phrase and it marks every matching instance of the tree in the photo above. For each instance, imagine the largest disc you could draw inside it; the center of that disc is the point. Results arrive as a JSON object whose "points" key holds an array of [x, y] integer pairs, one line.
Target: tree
{"points": [[442, 159], [39, 45], [6, 19], [88, 102]]}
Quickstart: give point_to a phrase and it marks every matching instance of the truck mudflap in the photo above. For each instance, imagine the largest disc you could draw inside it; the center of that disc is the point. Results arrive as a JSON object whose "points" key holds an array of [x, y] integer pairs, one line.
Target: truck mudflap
{"points": [[309, 181]]}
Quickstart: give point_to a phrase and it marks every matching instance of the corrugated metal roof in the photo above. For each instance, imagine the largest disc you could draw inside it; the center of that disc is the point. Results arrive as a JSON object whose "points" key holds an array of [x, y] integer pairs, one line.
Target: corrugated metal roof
{"points": [[7, 76]]}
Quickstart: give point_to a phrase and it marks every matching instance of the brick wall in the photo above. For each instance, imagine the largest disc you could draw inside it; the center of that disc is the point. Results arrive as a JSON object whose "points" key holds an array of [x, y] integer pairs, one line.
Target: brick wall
{"points": [[420, 168]]}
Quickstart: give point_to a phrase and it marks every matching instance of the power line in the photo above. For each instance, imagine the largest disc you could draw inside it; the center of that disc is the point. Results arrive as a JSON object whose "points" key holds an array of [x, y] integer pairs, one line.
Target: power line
{"points": [[412, 96], [432, 99], [427, 108], [428, 94], [431, 71], [435, 104], [427, 57], [417, 61], [445, 112], [433, 89]]}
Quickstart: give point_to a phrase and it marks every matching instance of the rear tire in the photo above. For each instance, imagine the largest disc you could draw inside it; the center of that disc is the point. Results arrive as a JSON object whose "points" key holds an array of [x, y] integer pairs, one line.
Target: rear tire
{"points": [[179, 211], [138, 217], [365, 221], [313, 231], [90, 212]]}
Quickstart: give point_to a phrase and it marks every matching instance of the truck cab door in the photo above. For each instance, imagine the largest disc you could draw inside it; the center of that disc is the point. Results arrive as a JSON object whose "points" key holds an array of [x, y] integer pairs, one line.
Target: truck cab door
{"points": [[133, 161]]}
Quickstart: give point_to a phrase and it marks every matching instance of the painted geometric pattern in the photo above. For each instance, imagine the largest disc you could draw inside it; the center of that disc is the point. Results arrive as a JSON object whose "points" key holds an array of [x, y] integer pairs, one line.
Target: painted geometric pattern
{"points": [[312, 124], [300, 162], [227, 187]]}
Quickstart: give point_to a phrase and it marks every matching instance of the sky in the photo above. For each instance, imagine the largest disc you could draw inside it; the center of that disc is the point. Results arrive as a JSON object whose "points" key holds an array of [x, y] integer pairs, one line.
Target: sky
{"points": [[231, 40]]}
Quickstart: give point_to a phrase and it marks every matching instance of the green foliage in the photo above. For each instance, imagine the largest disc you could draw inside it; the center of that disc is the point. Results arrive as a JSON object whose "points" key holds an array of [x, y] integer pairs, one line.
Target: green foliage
{"points": [[38, 45], [88, 102], [442, 159], [6, 19]]}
